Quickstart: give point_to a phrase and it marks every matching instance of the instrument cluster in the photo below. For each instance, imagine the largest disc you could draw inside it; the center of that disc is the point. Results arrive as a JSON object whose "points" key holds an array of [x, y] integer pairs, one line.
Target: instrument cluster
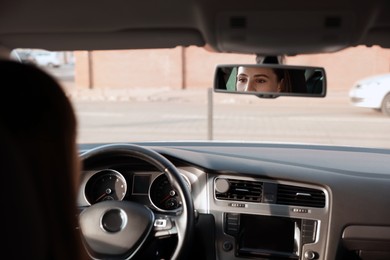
{"points": [[151, 188]]}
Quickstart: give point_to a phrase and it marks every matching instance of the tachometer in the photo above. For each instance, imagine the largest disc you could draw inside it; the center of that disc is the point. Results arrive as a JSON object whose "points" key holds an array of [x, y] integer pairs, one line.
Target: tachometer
{"points": [[163, 195], [106, 185]]}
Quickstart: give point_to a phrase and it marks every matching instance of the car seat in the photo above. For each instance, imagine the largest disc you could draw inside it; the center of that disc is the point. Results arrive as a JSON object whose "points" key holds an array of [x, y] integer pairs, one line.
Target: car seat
{"points": [[297, 81], [315, 83]]}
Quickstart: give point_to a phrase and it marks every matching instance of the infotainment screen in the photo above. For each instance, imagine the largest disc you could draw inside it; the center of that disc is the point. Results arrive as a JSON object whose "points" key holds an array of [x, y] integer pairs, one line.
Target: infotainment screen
{"points": [[268, 236]]}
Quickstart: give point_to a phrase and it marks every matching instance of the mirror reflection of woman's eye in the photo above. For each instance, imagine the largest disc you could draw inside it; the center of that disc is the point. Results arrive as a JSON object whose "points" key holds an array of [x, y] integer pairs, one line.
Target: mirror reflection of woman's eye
{"points": [[242, 80], [260, 81]]}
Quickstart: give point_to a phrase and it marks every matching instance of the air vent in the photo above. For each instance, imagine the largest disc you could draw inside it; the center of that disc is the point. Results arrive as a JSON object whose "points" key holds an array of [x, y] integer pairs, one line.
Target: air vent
{"points": [[238, 190], [300, 196]]}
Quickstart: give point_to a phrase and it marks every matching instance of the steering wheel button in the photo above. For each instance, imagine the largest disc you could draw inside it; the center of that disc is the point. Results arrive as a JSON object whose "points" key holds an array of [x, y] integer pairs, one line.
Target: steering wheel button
{"points": [[160, 223], [112, 221]]}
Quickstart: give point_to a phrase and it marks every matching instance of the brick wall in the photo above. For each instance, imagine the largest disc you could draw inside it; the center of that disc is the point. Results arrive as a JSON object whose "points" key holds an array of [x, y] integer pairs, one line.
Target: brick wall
{"points": [[193, 67]]}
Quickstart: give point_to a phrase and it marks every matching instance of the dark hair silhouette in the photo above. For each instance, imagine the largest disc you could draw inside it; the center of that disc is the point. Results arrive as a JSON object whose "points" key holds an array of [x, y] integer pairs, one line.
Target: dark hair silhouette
{"points": [[42, 166]]}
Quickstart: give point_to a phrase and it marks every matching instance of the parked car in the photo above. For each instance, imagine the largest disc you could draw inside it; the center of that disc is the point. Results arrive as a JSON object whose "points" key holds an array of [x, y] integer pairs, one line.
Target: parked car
{"points": [[182, 174], [372, 92], [45, 58], [23, 55]]}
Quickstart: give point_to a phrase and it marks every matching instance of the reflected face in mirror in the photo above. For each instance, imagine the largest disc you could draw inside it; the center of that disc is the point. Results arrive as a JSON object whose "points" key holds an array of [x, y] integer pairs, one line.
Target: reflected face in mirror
{"points": [[258, 80], [270, 80]]}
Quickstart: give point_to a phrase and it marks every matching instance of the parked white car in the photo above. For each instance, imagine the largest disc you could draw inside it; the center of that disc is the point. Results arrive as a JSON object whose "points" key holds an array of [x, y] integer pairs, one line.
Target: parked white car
{"points": [[372, 92], [45, 58]]}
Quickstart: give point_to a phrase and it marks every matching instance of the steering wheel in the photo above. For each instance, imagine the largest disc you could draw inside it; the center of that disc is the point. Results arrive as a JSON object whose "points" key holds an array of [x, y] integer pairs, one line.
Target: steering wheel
{"points": [[119, 229]]}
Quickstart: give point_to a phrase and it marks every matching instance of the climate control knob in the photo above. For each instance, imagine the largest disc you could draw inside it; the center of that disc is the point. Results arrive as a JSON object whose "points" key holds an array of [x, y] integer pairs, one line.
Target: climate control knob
{"points": [[221, 185]]}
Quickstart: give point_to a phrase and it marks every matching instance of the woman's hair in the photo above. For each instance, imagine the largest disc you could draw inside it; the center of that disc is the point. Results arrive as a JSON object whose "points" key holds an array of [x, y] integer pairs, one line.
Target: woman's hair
{"points": [[280, 74], [40, 124], [283, 74]]}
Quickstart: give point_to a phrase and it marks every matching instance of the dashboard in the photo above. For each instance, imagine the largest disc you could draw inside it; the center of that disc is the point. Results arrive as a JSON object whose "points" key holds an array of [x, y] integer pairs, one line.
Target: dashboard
{"points": [[262, 201]]}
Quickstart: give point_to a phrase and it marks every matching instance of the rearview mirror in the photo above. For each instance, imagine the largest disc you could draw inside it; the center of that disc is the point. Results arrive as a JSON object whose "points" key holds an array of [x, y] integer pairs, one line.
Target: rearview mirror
{"points": [[270, 80]]}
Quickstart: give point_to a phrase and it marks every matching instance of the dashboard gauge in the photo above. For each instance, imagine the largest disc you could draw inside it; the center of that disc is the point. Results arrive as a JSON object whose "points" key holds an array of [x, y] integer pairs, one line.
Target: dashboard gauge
{"points": [[106, 185], [163, 195]]}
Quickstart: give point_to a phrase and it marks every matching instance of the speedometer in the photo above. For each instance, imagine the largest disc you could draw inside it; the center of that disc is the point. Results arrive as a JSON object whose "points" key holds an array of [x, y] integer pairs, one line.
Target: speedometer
{"points": [[106, 185]]}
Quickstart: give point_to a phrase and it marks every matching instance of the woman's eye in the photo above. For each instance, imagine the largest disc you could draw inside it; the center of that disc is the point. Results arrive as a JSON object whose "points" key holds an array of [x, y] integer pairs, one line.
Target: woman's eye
{"points": [[242, 80], [261, 81]]}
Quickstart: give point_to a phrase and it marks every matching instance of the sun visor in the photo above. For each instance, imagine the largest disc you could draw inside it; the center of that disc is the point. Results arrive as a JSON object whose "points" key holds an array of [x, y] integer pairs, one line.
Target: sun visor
{"points": [[279, 32]]}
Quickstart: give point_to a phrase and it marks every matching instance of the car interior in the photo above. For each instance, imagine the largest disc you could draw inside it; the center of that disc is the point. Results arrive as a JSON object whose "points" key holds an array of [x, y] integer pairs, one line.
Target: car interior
{"points": [[187, 199]]}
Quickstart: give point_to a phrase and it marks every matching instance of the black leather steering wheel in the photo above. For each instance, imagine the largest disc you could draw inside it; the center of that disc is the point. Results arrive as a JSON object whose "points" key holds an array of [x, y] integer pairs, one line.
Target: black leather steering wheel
{"points": [[119, 229]]}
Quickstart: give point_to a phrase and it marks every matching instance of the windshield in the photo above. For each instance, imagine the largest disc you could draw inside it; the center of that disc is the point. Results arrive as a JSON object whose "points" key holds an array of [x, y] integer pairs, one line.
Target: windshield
{"points": [[166, 95]]}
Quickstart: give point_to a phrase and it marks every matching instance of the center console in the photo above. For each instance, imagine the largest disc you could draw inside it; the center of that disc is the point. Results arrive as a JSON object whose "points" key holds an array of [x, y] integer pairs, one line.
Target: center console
{"points": [[254, 221]]}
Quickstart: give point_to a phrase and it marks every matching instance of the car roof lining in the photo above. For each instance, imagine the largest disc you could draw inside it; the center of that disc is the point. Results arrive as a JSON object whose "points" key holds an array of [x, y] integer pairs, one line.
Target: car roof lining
{"points": [[253, 27], [124, 39]]}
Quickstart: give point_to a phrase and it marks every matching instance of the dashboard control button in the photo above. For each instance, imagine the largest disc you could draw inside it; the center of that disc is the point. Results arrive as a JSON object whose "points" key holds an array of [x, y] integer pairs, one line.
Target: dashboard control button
{"points": [[227, 246], [310, 255]]}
